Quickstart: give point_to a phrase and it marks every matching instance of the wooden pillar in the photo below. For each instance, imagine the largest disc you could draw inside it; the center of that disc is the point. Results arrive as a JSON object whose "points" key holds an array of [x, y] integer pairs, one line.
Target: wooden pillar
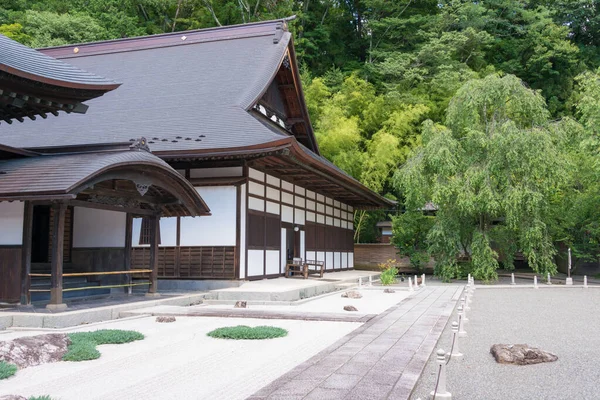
{"points": [[128, 239], [26, 253], [155, 226], [58, 234]]}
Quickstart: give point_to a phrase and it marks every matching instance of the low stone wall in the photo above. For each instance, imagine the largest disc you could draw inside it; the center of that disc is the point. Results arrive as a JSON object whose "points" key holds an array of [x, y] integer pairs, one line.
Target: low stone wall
{"points": [[373, 254]]}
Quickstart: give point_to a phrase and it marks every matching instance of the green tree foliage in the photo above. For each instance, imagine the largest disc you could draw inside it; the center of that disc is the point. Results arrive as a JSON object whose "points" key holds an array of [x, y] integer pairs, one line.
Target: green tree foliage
{"points": [[491, 172], [410, 231]]}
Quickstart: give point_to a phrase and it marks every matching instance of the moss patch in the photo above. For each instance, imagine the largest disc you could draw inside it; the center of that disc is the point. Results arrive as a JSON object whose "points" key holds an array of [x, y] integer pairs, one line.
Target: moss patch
{"points": [[83, 344], [242, 332], [7, 370]]}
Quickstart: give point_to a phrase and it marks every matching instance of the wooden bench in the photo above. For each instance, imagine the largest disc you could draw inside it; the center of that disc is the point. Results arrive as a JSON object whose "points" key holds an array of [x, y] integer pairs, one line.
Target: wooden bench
{"points": [[295, 267], [318, 268]]}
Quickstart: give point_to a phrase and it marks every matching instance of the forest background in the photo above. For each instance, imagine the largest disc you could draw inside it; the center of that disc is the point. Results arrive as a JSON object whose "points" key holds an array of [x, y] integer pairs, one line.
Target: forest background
{"points": [[486, 110]]}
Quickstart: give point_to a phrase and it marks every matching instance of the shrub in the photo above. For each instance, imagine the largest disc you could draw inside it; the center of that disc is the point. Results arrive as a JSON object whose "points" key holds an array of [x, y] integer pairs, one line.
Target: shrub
{"points": [[7, 370], [45, 397], [83, 344], [242, 332], [388, 277]]}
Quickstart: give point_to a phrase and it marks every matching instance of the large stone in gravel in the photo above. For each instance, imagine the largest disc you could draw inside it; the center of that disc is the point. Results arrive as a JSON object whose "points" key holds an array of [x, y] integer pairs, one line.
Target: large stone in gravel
{"points": [[12, 397], [35, 350], [165, 319], [240, 304], [350, 308], [389, 291], [520, 354], [352, 294]]}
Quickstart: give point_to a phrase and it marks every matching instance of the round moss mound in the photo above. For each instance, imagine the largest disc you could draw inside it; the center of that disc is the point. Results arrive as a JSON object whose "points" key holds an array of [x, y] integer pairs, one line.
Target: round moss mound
{"points": [[7, 369], [242, 332], [83, 344]]}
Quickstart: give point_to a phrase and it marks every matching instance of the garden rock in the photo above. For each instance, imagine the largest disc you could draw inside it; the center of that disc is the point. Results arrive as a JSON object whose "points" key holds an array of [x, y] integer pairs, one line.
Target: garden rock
{"points": [[12, 397], [240, 304], [350, 308], [389, 291], [520, 354], [165, 319], [34, 350], [352, 294]]}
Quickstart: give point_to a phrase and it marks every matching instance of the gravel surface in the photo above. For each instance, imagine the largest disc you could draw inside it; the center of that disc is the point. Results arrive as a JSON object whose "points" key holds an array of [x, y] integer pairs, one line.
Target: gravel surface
{"points": [[564, 321], [177, 361]]}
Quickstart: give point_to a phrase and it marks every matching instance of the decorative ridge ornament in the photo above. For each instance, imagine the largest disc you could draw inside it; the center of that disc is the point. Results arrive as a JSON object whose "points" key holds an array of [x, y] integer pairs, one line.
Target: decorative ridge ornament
{"points": [[140, 144]]}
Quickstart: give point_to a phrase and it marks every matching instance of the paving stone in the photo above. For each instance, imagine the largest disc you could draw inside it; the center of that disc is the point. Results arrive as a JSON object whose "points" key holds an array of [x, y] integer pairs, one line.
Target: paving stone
{"points": [[341, 381], [369, 391], [327, 394]]}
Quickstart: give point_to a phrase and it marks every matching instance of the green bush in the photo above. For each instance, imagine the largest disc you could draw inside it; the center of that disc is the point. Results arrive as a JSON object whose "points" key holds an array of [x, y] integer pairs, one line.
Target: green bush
{"points": [[83, 344], [242, 332], [45, 397], [7, 370], [388, 277]]}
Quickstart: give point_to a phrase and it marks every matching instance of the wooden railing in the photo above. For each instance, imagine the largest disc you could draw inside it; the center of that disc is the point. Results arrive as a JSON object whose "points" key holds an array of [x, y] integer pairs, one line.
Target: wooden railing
{"points": [[72, 274]]}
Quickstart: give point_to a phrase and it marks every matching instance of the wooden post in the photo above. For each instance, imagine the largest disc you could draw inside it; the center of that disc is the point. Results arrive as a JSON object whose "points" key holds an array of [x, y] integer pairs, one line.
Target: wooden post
{"points": [[26, 254], [58, 234], [155, 226], [128, 239]]}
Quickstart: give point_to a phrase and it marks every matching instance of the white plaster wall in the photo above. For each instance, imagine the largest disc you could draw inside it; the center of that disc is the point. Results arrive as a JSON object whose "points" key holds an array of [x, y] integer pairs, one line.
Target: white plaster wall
{"points": [[168, 231], [272, 262], [256, 262], [350, 260], [299, 216], [337, 260], [99, 228], [311, 255], [218, 229], [321, 256], [11, 223], [287, 214], [242, 249]]}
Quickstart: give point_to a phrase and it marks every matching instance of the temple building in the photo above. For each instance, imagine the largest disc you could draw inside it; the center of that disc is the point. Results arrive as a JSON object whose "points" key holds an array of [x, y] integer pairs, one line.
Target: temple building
{"points": [[209, 123]]}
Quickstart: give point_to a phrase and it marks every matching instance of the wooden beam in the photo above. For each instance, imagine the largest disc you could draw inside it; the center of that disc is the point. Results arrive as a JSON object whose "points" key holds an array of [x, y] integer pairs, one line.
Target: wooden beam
{"points": [[58, 234], [155, 226], [26, 254], [127, 195], [128, 245], [99, 206]]}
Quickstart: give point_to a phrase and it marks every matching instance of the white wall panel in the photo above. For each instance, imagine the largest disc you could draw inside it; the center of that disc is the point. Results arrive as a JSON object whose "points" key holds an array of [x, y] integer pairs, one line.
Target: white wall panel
{"points": [[300, 190], [336, 212], [311, 205], [311, 255], [336, 203], [320, 208], [256, 204], [215, 172], [320, 198], [100, 228], [320, 219], [254, 174], [11, 223], [242, 248], [272, 208], [329, 210], [272, 262], [310, 216], [336, 222], [299, 216], [300, 202], [311, 194], [257, 189], [272, 193], [271, 180], [337, 260], [287, 214], [329, 220], [329, 260], [287, 186], [350, 260], [344, 260], [320, 256], [329, 200], [287, 198], [256, 262], [218, 229], [303, 245], [283, 249]]}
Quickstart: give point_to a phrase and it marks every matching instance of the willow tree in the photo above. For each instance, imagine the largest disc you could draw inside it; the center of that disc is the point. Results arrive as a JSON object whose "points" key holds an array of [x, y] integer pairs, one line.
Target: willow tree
{"points": [[491, 172]]}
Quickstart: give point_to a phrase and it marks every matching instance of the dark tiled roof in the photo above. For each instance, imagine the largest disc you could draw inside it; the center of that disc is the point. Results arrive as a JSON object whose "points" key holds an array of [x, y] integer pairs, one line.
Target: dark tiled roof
{"points": [[24, 62], [53, 176], [186, 95]]}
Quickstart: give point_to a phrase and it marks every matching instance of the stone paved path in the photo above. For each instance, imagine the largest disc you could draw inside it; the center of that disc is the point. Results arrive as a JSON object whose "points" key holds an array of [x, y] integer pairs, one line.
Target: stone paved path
{"points": [[382, 359]]}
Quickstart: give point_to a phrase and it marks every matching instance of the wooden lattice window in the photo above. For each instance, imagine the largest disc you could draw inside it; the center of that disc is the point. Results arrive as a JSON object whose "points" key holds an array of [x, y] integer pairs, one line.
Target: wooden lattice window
{"points": [[146, 231]]}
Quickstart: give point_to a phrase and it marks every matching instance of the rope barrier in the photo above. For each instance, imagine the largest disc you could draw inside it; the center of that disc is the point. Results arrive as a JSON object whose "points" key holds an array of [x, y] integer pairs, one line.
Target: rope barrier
{"points": [[94, 287], [131, 271]]}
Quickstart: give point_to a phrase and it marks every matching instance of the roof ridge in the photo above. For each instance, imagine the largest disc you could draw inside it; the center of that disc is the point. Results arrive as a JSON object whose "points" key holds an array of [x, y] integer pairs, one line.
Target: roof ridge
{"points": [[228, 32]]}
